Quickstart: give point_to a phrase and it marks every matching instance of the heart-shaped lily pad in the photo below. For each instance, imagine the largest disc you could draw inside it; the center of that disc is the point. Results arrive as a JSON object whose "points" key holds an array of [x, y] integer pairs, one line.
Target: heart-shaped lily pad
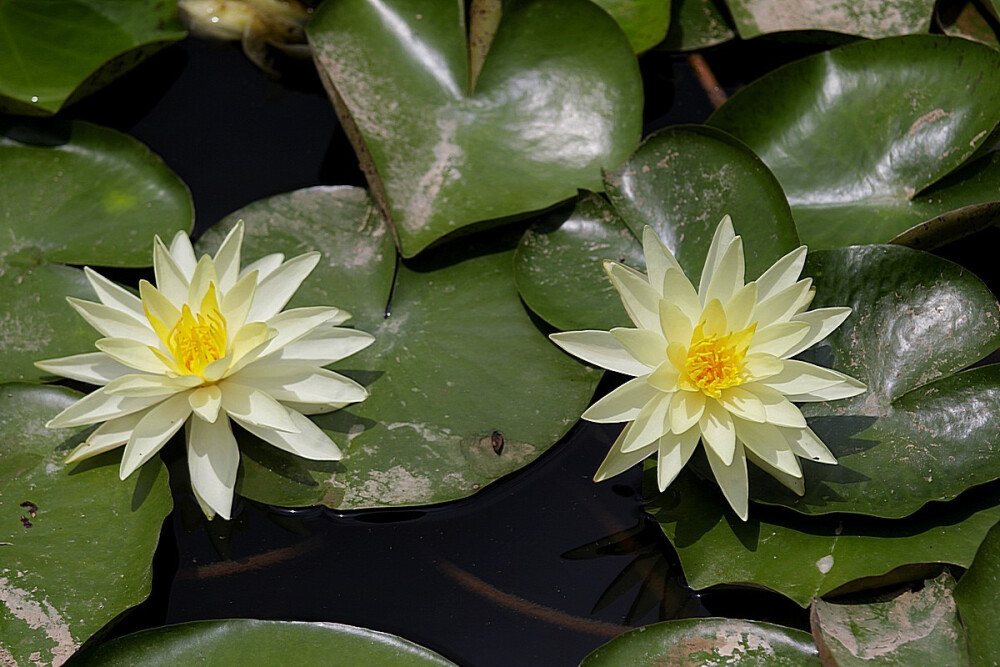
{"points": [[72, 193], [681, 182], [978, 598], [644, 21], [464, 387], [707, 641], [806, 557], [867, 18], [558, 98], [76, 544], [252, 642], [925, 430], [53, 54], [857, 172], [696, 24], [915, 628]]}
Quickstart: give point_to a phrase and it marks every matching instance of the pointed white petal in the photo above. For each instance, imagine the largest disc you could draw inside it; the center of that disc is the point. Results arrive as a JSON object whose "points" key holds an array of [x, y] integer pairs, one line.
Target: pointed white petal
{"points": [[665, 377], [762, 366], [686, 408], [798, 377], [728, 276], [675, 324], [153, 431], [740, 308], [781, 306], [623, 404], [326, 345], [599, 348], [182, 252], [114, 323], [732, 479], [649, 425], [112, 295], [264, 266], [617, 461], [301, 383], [642, 302], [275, 290], [796, 485], [837, 392], [770, 445], [171, 279], [213, 459], [723, 237], [674, 452], [718, 431], [249, 404], [142, 384], [92, 367], [208, 511], [109, 435], [205, 403], [98, 407], [311, 442], [778, 339], [132, 353], [227, 259], [236, 301], [821, 322], [659, 259], [741, 403], [649, 347], [807, 444], [291, 325], [678, 290], [778, 410], [782, 274]]}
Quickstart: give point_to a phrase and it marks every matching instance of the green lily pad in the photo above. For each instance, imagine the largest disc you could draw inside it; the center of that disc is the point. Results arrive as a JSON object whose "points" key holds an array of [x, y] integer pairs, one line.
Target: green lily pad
{"points": [[54, 53], [914, 628], [867, 18], [707, 641], [76, 544], [696, 24], [252, 642], [925, 429], [978, 598], [681, 181], [559, 97], [857, 172], [644, 21], [72, 193], [965, 18], [806, 557], [464, 387]]}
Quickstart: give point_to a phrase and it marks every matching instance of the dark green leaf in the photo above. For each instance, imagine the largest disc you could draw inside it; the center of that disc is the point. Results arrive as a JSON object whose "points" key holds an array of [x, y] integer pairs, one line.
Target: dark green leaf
{"points": [[978, 599], [644, 21], [696, 24], [867, 18]]}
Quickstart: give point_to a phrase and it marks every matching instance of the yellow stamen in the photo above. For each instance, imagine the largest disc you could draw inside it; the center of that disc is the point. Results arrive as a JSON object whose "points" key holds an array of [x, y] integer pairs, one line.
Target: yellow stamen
{"points": [[197, 340], [717, 362]]}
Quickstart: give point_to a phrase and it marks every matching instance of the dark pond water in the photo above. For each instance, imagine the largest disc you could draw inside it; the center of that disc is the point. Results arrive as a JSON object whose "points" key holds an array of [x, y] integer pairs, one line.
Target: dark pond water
{"points": [[537, 569]]}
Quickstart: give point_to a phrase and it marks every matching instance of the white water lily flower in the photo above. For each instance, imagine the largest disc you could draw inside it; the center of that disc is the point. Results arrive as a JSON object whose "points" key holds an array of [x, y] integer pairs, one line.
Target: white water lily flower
{"points": [[714, 364], [209, 344]]}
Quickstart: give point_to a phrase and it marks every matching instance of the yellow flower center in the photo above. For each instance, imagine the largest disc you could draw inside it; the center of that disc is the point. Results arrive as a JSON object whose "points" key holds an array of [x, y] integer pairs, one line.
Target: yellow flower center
{"points": [[196, 340], [717, 362]]}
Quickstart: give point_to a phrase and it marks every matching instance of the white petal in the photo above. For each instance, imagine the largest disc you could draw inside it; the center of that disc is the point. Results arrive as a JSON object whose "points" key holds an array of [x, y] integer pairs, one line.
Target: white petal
{"points": [[778, 339], [732, 479], [761, 366], [623, 404], [778, 410], [112, 295], [311, 442], [132, 353], [213, 459], [728, 275], [617, 461], [821, 322], [807, 444], [740, 308], [798, 377], [718, 431], [837, 392], [153, 431], [649, 347], [674, 452], [171, 279], [599, 348], [236, 301], [264, 266], [227, 258], [678, 290], [275, 290], [659, 259], [92, 367], [114, 323], [675, 324], [302, 383], [249, 404], [723, 237], [158, 307], [204, 276], [649, 425], [182, 252], [109, 435], [205, 403], [326, 345], [98, 407], [686, 408], [742, 404], [291, 325], [782, 274], [642, 302], [141, 384], [781, 306], [770, 445], [665, 378], [796, 485]]}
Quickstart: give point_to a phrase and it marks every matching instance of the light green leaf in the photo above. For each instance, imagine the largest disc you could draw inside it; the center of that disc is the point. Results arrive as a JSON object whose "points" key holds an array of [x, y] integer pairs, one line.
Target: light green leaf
{"points": [[696, 24], [978, 599], [867, 18], [644, 21]]}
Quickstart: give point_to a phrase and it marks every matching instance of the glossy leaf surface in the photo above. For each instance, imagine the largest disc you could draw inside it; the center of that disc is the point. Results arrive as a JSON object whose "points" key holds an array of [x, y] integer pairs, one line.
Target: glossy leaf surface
{"points": [[464, 387], [859, 172], [558, 98], [978, 599], [915, 627], [72, 193], [643, 21], [76, 543], [925, 429], [57, 51], [866, 18], [816, 555], [253, 642], [696, 24], [707, 641]]}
